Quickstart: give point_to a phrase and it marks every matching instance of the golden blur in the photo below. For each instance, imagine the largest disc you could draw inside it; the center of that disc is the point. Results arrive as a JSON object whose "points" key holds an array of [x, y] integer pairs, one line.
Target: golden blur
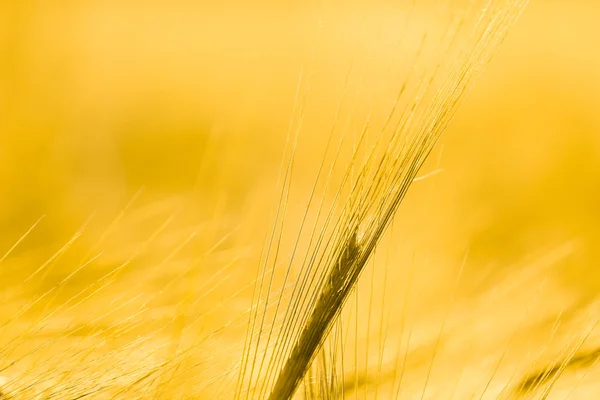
{"points": [[144, 139]]}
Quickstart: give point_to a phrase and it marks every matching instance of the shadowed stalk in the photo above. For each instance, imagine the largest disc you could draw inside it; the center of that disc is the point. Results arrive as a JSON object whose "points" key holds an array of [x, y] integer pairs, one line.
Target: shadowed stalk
{"points": [[328, 306]]}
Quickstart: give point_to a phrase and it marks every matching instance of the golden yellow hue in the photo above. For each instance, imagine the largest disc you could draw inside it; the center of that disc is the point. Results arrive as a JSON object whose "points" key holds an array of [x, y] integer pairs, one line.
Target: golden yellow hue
{"points": [[140, 145]]}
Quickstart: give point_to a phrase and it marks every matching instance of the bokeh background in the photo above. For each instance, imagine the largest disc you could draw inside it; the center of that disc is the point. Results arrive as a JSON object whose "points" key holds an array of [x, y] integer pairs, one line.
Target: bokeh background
{"points": [[156, 130]]}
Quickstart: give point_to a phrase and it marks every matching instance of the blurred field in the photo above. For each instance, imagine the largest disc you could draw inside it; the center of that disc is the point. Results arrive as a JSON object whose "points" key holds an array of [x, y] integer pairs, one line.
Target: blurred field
{"points": [[148, 136]]}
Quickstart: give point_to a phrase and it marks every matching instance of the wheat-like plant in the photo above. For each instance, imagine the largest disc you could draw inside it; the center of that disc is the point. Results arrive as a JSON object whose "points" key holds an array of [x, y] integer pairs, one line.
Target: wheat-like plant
{"points": [[334, 263]]}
